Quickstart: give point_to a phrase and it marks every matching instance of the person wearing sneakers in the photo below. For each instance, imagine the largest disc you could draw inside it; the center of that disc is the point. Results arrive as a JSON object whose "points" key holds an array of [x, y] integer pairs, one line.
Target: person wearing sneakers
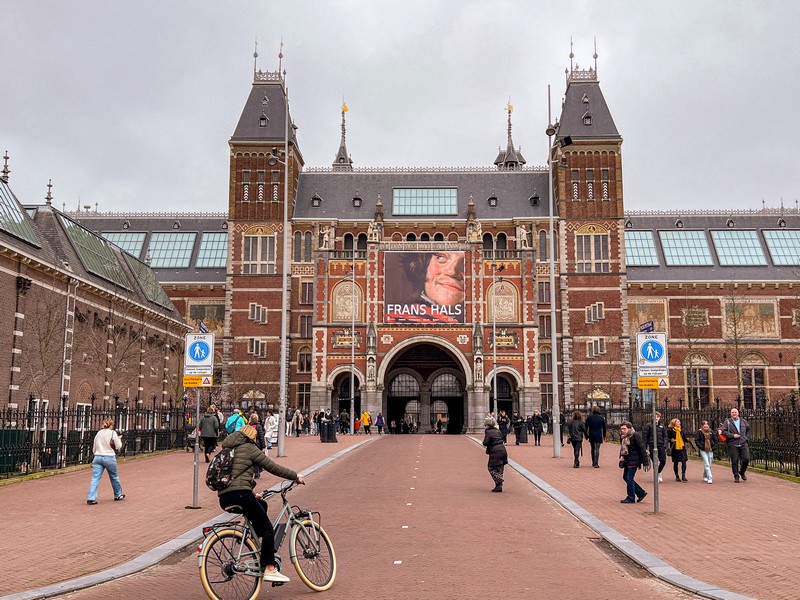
{"points": [[632, 455], [737, 432], [706, 442], [106, 442], [246, 458], [209, 431]]}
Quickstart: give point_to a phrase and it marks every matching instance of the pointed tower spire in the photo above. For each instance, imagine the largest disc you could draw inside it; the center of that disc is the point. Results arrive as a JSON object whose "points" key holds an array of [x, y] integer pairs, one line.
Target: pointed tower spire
{"points": [[510, 159], [6, 170], [48, 199], [379, 210], [280, 57], [255, 59], [343, 162]]}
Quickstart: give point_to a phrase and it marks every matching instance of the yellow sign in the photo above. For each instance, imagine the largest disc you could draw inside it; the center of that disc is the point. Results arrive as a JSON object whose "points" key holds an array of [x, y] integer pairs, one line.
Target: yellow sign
{"points": [[648, 383], [653, 383], [192, 381]]}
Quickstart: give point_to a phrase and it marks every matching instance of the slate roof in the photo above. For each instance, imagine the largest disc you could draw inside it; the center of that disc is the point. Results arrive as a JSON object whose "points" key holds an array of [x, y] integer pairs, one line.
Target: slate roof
{"points": [[513, 190], [707, 221], [584, 95], [267, 99], [56, 249]]}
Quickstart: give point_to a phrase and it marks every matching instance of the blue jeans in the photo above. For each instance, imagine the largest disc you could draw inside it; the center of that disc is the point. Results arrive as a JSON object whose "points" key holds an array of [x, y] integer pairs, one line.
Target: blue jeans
{"points": [[634, 489], [708, 458], [109, 463]]}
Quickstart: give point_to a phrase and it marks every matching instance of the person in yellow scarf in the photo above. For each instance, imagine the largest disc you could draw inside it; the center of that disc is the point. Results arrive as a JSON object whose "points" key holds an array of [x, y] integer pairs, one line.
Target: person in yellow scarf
{"points": [[678, 443]]}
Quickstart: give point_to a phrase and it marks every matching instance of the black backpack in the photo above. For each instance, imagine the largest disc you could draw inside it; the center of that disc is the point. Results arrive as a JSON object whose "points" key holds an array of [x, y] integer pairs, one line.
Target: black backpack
{"points": [[220, 470]]}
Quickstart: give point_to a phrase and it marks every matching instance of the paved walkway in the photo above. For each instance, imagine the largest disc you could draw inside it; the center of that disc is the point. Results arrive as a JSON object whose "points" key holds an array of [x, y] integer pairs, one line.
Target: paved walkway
{"points": [[742, 537], [51, 535]]}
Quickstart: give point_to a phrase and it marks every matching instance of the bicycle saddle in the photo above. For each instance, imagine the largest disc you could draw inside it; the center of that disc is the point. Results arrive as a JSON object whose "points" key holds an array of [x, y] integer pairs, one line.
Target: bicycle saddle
{"points": [[235, 509]]}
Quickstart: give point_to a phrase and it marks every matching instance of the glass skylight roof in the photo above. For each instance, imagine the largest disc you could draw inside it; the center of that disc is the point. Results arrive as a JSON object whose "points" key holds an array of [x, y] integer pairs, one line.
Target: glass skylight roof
{"points": [[640, 249], [213, 250], [424, 201], [685, 248], [12, 219], [130, 242], [171, 250], [783, 245], [95, 253], [737, 247], [148, 282]]}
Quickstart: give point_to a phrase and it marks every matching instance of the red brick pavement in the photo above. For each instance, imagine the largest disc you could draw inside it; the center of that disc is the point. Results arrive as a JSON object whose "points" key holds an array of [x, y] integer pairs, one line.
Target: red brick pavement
{"points": [[461, 541], [743, 537], [50, 534]]}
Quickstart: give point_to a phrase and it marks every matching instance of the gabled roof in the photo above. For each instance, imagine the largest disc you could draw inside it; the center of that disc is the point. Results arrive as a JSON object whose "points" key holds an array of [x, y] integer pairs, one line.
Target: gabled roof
{"points": [[263, 118]]}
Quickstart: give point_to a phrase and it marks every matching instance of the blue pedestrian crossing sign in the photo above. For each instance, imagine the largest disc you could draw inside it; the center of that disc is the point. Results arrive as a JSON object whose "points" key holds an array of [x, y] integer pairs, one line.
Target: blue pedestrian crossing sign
{"points": [[199, 354], [651, 349]]}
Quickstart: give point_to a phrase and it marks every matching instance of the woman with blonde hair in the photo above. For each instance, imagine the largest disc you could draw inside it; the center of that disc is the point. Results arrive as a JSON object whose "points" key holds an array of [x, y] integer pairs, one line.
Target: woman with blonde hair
{"points": [[106, 443], [678, 444]]}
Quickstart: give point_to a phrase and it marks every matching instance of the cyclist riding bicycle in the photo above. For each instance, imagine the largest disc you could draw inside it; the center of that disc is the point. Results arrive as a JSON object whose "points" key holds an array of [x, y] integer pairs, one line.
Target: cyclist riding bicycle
{"points": [[246, 457]]}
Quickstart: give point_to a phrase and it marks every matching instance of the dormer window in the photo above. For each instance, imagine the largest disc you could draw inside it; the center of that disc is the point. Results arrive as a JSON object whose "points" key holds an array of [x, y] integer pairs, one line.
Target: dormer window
{"points": [[357, 201], [262, 122], [316, 200], [492, 200], [534, 199], [587, 118]]}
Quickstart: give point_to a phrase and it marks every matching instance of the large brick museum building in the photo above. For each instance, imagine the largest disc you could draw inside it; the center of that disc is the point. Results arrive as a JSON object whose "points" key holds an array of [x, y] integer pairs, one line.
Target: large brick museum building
{"points": [[437, 280]]}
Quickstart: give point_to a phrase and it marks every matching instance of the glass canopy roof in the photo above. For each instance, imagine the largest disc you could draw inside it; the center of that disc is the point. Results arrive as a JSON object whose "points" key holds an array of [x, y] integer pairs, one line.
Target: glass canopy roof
{"points": [[130, 242], [95, 253], [12, 218]]}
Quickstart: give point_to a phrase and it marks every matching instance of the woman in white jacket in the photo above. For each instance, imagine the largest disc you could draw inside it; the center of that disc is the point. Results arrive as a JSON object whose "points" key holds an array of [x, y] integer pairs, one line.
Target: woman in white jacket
{"points": [[270, 428], [106, 442]]}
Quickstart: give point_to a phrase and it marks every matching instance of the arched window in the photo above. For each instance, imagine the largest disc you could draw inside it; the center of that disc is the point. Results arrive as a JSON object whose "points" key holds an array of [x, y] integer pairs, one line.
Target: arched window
{"points": [[424, 237], [447, 384], [502, 241], [544, 247], [404, 385], [488, 241], [411, 237], [438, 237], [307, 252], [361, 248], [348, 241], [298, 246], [304, 360]]}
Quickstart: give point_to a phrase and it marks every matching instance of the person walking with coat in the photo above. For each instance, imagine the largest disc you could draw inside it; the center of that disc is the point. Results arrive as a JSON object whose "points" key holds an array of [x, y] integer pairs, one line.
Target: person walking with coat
{"points": [[679, 445], [656, 442], [737, 433], [209, 431], [596, 433], [706, 442], [632, 455], [504, 424], [495, 448], [538, 427], [577, 431], [380, 423], [240, 493], [518, 423]]}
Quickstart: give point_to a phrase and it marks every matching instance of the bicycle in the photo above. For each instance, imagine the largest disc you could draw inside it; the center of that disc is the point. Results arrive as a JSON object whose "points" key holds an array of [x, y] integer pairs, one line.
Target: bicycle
{"points": [[228, 557]]}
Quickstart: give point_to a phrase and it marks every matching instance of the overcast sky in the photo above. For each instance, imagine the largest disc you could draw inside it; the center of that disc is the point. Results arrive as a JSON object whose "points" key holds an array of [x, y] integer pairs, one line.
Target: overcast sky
{"points": [[131, 104]]}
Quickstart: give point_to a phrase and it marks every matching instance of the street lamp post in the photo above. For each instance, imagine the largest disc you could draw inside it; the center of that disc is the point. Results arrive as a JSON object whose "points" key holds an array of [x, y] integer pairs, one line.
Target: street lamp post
{"points": [[272, 161], [353, 340], [550, 131]]}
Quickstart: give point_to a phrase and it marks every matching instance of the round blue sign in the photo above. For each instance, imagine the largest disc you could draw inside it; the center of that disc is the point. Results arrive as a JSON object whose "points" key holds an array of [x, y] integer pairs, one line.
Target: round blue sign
{"points": [[652, 351], [199, 351]]}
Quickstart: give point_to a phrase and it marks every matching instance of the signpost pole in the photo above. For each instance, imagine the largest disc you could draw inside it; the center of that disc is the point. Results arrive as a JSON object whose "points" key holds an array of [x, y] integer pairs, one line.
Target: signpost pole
{"points": [[651, 360], [198, 369], [196, 450]]}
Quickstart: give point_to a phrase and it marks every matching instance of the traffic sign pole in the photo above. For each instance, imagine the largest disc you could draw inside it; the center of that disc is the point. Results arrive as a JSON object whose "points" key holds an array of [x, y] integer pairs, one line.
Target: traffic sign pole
{"points": [[198, 364]]}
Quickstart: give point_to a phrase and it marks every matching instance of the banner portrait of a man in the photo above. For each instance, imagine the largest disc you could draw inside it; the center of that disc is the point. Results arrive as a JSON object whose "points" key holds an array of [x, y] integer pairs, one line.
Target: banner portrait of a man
{"points": [[424, 287]]}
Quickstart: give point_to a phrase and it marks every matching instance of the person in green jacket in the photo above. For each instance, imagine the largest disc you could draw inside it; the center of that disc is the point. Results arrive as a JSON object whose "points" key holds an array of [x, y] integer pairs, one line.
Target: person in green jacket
{"points": [[246, 457]]}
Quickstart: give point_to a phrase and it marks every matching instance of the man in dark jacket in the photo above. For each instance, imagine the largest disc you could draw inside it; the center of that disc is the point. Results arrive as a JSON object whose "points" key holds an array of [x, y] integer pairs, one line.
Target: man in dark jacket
{"points": [[632, 455], [518, 423], [246, 458], [596, 432], [209, 431], [737, 433], [660, 439]]}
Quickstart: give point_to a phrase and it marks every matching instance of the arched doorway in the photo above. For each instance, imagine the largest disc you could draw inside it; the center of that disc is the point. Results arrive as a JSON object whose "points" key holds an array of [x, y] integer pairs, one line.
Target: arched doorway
{"points": [[505, 396], [431, 376], [447, 403], [403, 408], [343, 395]]}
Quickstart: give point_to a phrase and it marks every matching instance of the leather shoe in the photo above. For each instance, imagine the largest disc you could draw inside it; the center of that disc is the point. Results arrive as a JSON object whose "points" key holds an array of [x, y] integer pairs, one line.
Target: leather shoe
{"points": [[627, 501], [735, 480], [744, 477], [642, 497], [91, 502]]}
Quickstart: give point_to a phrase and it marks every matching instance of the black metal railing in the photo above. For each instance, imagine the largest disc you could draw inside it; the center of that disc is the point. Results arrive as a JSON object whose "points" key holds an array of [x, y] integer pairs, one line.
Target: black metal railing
{"points": [[35, 440]]}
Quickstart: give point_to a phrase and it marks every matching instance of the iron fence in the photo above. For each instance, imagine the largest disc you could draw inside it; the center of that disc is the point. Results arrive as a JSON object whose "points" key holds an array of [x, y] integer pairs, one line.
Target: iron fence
{"points": [[36, 439]]}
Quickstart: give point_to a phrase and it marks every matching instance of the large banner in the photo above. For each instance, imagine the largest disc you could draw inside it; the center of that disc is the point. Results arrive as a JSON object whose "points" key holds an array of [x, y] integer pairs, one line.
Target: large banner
{"points": [[423, 287]]}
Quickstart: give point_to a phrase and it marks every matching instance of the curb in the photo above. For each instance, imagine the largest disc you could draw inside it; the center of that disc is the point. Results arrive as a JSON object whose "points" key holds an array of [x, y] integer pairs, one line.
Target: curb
{"points": [[159, 553], [653, 564]]}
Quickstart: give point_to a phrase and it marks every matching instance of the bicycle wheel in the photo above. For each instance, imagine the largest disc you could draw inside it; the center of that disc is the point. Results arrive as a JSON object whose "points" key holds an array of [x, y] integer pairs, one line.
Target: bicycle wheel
{"points": [[312, 554], [222, 565]]}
